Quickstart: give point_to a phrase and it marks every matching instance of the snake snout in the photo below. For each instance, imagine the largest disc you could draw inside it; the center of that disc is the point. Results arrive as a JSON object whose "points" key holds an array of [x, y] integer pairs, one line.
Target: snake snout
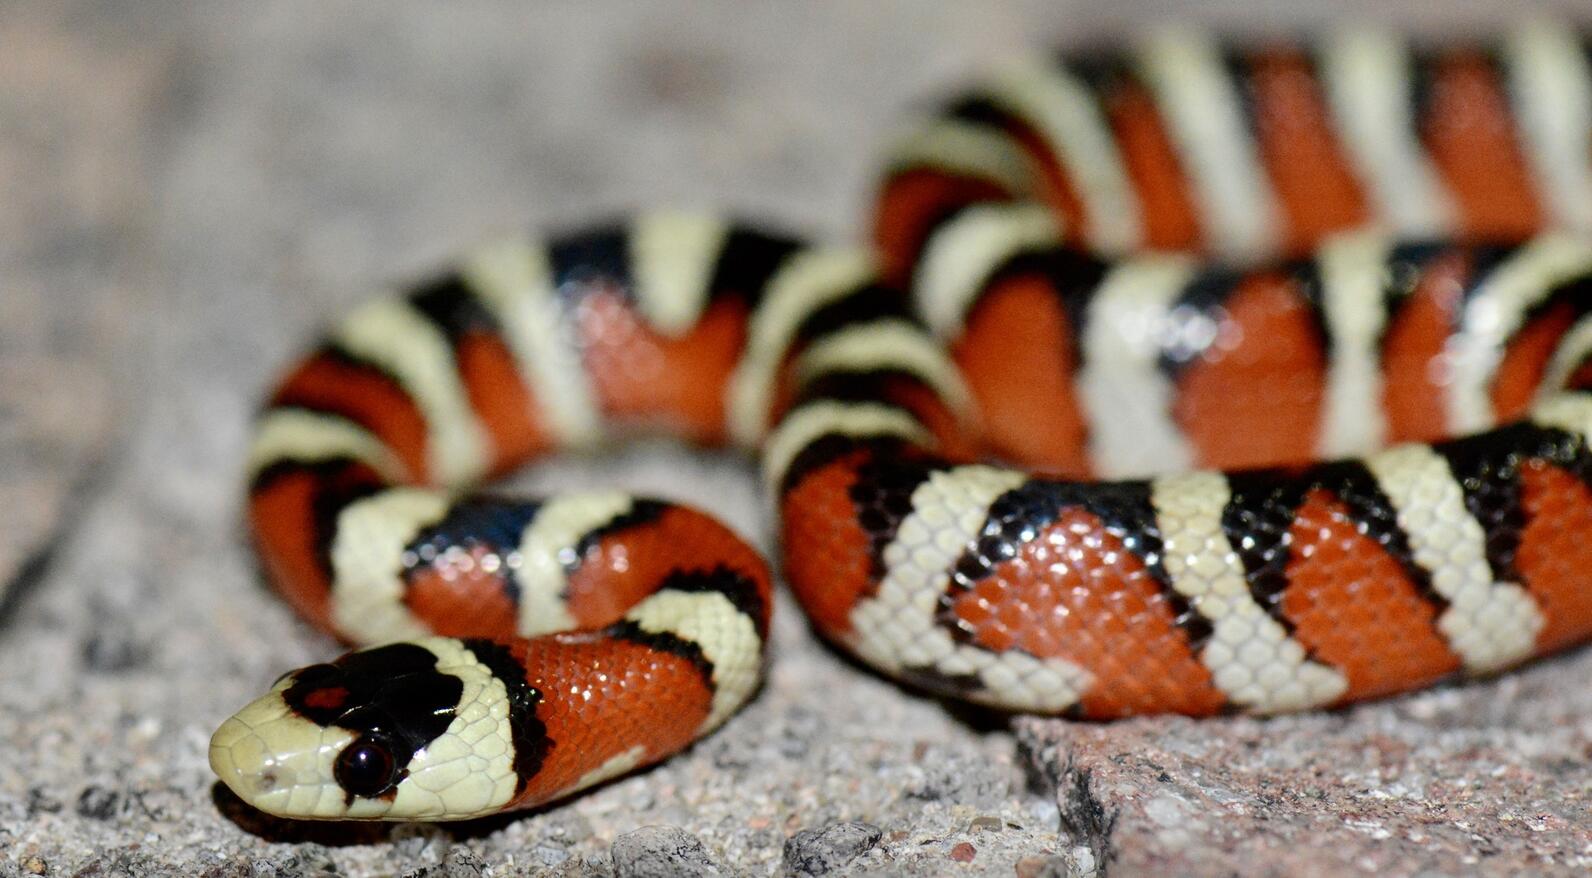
{"points": [[276, 762]]}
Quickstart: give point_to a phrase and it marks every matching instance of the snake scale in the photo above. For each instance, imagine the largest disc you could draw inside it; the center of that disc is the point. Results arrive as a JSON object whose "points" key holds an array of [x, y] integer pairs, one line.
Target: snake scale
{"points": [[1161, 283]]}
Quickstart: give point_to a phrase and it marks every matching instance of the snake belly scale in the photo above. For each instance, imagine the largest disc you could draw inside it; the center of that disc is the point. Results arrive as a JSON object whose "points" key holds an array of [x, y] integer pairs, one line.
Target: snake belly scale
{"points": [[1162, 283]]}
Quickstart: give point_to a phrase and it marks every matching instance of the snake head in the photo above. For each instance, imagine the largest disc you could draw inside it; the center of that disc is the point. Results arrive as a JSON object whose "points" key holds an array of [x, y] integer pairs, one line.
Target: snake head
{"points": [[407, 731]]}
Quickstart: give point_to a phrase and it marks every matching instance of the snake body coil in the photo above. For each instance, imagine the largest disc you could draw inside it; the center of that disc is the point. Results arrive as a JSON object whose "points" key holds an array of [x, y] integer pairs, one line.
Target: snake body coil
{"points": [[1138, 275]]}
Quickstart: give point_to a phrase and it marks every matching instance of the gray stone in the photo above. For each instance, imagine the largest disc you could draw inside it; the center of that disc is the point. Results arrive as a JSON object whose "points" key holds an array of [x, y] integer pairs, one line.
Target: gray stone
{"points": [[821, 851], [1485, 779], [456, 863], [661, 851], [309, 861]]}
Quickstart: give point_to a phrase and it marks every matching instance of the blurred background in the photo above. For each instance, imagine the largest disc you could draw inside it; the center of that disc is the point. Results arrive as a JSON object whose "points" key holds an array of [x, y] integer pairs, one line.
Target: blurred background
{"points": [[188, 190]]}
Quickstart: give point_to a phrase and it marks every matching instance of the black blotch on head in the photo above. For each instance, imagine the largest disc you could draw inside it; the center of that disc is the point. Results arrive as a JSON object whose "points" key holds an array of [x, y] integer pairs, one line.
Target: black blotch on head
{"points": [[393, 697]]}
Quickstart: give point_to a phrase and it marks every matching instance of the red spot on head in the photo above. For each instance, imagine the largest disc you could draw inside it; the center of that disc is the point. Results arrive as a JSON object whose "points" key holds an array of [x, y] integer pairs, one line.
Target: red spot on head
{"points": [[327, 698]]}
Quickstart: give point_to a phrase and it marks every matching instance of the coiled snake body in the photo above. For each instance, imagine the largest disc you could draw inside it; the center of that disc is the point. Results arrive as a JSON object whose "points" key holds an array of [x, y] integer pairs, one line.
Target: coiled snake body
{"points": [[1138, 276]]}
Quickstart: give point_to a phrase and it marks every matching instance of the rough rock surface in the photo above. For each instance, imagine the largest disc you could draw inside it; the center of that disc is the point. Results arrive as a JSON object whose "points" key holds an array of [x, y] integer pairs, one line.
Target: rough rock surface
{"points": [[661, 852], [813, 852], [1490, 778], [189, 190]]}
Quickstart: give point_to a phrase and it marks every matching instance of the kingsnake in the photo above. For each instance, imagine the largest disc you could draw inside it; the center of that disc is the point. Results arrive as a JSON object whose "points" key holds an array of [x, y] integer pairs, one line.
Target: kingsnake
{"points": [[1127, 271]]}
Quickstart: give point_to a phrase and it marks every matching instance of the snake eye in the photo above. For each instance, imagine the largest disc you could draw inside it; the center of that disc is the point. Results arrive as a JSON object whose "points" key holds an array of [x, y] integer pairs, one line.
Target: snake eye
{"points": [[366, 768]]}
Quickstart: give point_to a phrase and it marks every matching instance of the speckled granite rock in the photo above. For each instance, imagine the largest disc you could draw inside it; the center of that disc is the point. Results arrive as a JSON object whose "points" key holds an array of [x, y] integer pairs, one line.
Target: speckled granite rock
{"points": [[1490, 778], [662, 852], [189, 190], [812, 852]]}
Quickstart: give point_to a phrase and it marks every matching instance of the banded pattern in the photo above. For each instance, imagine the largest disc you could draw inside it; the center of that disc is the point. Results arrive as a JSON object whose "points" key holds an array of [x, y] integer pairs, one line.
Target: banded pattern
{"points": [[1086, 366], [1179, 142], [1168, 539]]}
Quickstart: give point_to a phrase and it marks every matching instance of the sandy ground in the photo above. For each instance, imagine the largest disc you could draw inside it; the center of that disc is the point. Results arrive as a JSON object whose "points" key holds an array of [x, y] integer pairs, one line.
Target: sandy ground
{"points": [[187, 191]]}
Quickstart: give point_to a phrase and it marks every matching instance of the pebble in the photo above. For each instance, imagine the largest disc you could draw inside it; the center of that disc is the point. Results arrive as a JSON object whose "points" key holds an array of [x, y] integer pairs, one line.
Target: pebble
{"points": [[1041, 867], [98, 803], [661, 852], [456, 863], [821, 851], [549, 855], [1031, 867]]}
